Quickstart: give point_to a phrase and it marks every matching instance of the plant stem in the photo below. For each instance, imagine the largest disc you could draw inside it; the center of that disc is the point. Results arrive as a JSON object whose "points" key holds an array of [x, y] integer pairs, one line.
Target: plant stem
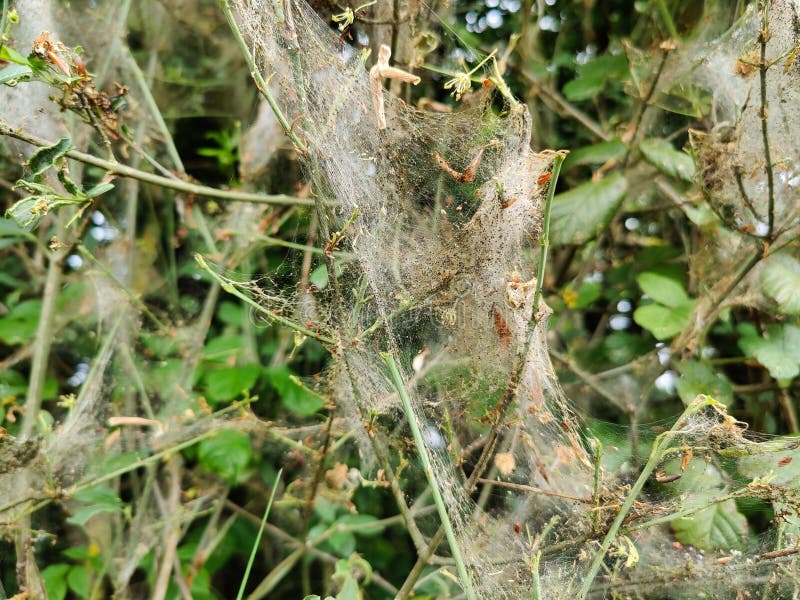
{"points": [[228, 286], [668, 21], [165, 182], [3, 21], [147, 96], [537, 587], [397, 382], [42, 343], [551, 190], [262, 85], [763, 38], [258, 537], [655, 457]]}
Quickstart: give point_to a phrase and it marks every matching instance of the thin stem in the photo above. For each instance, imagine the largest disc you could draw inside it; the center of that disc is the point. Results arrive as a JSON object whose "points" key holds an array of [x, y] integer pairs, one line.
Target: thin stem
{"points": [[147, 96], [655, 457], [262, 85], [229, 287], [257, 541], [666, 48], [42, 343], [537, 587], [763, 38], [399, 386], [165, 182], [3, 21], [551, 190], [669, 23]]}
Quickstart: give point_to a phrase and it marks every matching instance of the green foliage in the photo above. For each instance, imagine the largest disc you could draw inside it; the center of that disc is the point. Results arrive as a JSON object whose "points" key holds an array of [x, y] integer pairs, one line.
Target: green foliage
{"points": [[778, 349], [94, 500], [43, 197], [20, 324], [295, 396], [594, 75], [595, 154], [621, 247], [579, 214], [228, 383], [665, 158], [671, 309], [717, 526], [228, 453], [698, 378], [781, 280]]}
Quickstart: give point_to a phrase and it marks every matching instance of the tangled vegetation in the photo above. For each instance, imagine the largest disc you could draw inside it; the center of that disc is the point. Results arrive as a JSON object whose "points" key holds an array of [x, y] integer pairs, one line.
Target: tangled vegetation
{"points": [[483, 300]]}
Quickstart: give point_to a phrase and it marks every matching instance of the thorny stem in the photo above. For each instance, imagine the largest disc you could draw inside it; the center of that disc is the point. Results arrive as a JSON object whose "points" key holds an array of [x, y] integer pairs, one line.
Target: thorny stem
{"points": [[655, 457], [400, 387], [261, 84], [166, 182], [551, 190], [229, 287], [763, 38]]}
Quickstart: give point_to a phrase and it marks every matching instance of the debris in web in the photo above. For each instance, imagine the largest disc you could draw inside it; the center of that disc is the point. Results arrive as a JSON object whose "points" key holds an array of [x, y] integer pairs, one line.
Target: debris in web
{"points": [[439, 210]]}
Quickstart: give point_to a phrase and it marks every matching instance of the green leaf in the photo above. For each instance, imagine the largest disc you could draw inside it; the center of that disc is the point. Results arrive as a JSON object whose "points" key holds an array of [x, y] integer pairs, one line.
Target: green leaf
{"points": [[596, 154], [778, 350], [781, 280], [20, 324], [587, 293], [663, 289], [28, 212], [223, 385], [584, 87], [45, 158], [227, 453], [342, 543], [11, 55], [577, 215], [99, 190], [79, 581], [593, 76], [294, 395], [319, 277], [778, 459], [97, 499], [663, 321], [661, 154], [364, 524], [230, 313], [13, 74], [72, 188], [55, 581], [699, 378], [719, 527]]}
